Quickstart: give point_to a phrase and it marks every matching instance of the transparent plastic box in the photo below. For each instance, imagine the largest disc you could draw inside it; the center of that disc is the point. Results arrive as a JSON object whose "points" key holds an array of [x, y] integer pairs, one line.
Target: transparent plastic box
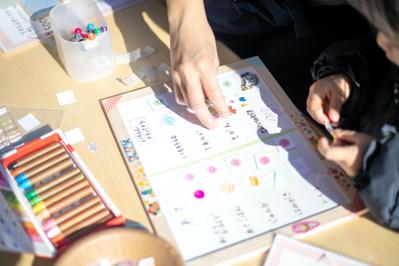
{"points": [[86, 60]]}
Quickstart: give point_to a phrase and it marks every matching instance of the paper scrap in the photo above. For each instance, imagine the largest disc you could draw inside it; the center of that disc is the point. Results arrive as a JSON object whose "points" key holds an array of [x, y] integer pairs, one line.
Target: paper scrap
{"points": [[66, 97], [131, 80], [92, 147], [74, 135], [28, 122]]}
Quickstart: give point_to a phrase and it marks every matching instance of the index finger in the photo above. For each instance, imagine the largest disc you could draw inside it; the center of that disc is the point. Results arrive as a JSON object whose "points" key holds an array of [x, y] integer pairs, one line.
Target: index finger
{"points": [[315, 107], [210, 86], [197, 103]]}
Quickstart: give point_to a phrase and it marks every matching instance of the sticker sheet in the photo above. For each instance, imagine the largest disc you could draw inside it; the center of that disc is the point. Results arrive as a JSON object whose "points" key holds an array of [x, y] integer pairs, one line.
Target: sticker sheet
{"points": [[255, 173]]}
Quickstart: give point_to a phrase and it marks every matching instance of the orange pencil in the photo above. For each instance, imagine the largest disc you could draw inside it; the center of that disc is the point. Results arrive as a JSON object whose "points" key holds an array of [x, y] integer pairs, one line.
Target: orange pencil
{"points": [[34, 155]]}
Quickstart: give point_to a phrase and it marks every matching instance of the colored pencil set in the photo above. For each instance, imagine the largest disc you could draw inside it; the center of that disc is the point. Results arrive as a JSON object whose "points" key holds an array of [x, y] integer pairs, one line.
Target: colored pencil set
{"points": [[62, 195]]}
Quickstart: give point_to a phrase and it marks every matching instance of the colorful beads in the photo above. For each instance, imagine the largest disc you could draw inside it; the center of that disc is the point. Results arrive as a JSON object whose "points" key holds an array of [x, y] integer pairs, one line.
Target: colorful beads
{"points": [[77, 30], [91, 36], [91, 33], [90, 27], [97, 31]]}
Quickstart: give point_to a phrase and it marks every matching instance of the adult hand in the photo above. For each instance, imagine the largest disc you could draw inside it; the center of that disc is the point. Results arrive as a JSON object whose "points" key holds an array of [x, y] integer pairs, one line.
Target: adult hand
{"points": [[326, 97], [194, 60], [347, 150]]}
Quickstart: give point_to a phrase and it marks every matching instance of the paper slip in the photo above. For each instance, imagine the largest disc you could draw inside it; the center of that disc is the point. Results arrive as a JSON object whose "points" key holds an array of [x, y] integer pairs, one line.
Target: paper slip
{"points": [[28, 122]]}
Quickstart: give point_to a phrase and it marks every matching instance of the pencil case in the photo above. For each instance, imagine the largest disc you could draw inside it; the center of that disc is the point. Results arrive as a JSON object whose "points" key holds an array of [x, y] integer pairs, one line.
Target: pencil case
{"points": [[53, 199]]}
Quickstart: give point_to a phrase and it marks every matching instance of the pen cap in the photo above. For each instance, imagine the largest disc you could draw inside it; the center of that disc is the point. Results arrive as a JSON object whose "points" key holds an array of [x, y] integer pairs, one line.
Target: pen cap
{"points": [[89, 59]]}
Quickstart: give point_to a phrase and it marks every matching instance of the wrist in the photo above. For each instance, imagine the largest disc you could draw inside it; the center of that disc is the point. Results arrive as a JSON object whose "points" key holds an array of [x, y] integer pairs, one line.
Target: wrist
{"points": [[344, 83]]}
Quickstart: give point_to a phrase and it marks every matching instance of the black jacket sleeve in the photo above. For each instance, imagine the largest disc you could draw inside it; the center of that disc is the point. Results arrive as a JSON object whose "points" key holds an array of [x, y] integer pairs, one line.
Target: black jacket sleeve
{"points": [[378, 181], [365, 64]]}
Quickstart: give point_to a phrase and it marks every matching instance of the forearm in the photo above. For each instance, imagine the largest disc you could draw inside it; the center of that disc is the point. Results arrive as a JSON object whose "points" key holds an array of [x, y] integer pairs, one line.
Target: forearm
{"points": [[181, 11]]}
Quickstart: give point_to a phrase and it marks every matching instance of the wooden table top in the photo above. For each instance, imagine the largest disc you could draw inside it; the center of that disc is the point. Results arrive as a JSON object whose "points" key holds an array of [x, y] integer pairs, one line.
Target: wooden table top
{"points": [[31, 77]]}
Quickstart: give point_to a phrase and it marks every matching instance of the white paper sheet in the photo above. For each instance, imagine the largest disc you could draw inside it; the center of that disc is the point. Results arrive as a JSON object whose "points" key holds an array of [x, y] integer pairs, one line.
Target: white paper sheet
{"points": [[220, 187]]}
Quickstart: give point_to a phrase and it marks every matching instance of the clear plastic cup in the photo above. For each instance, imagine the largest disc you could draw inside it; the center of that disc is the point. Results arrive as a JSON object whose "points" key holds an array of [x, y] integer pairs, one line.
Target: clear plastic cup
{"points": [[86, 60]]}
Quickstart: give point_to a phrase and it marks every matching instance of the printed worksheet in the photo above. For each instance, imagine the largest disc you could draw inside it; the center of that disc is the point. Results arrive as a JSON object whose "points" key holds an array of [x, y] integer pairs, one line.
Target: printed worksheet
{"points": [[216, 188]]}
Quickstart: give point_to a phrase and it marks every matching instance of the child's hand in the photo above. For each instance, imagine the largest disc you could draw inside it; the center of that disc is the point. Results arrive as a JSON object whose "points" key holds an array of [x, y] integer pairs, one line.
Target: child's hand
{"points": [[347, 150], [326, 97]]}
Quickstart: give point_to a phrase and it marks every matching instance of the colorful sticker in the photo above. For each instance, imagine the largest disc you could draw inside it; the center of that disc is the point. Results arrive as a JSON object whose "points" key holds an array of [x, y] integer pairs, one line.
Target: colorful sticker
{"points": [[264, 160], [168, 119], [305, 226], [227, 187], [153, 208], [341, 179], [307, 131], [252, 180], [248, 81], [156, 104], [199, 194], [285, 142], [128, 149], [189, 177]]}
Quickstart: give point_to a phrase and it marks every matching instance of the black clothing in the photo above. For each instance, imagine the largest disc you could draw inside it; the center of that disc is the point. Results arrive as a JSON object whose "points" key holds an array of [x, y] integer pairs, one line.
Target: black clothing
{"points": [[372, 108], [286, 34]]}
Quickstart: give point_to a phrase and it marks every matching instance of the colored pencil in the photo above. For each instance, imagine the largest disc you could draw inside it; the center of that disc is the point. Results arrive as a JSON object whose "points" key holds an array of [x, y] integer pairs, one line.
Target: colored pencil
{"points": [[70, 213], [57, 189], [41, 167], [35, 162], [54, 182], [73, 221], [43, 212], [31, 181], [77, 185], [96, 220], [34, 155]]}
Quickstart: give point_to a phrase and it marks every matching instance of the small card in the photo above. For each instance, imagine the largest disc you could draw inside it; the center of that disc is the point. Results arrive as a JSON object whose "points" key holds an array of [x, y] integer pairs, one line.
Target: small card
{"points": [[28, 122], [287, 252], [66, 97], [74, 135]]}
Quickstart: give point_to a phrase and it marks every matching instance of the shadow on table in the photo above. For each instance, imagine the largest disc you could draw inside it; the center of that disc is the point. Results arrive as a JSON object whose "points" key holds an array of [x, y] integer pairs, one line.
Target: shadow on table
{"points": [[12, 259]]}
